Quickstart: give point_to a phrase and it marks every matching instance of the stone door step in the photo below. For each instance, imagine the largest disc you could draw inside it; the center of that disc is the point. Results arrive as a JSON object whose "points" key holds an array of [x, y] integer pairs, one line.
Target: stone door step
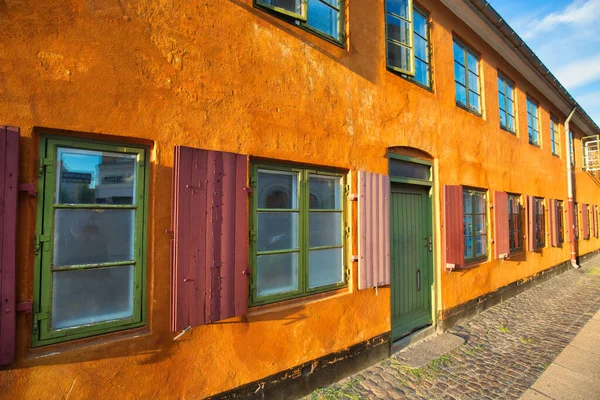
{"points": [[422, 353]]}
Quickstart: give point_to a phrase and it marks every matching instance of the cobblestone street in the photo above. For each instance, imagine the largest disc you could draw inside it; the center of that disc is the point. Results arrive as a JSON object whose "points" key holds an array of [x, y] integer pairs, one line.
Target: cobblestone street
{"points": [[506, 347]]}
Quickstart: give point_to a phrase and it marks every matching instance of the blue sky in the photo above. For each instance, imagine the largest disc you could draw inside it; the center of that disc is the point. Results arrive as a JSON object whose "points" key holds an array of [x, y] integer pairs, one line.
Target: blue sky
{"points": [[565, 34]]}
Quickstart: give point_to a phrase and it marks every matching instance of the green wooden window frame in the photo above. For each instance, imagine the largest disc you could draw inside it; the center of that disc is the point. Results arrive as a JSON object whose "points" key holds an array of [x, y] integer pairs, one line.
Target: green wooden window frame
{"points": [[572, 147], [576, 220], [560, 222], [48, 204], [303, 211], [554, 136], [405, 64], [515, 223], [467, 77], [506, 102], [303, 16], [533, 122], [539, 223], [470, 215]]}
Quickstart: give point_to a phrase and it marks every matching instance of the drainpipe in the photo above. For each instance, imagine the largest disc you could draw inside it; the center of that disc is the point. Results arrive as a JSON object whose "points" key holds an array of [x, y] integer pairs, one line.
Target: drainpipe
{"points": [[570, 206]]}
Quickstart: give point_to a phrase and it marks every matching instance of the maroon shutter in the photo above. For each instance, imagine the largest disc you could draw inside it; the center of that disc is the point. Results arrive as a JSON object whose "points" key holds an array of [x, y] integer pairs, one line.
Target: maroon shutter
{"points": [[501, 232], [454, 240], [9, 185], [595, 217], [552, 222], [531, 223], [210, 246], [585, 225], [374, 230]]}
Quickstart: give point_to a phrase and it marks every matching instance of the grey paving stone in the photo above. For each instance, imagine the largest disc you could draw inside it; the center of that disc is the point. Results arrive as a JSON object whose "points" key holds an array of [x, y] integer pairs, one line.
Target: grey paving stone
{"points": [[561, 383], [495, 363]]}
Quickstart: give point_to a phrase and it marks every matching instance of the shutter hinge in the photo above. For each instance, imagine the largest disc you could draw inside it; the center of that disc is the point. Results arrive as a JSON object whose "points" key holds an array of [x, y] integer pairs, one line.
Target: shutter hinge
{"points": [[346, 274], [347, 231], [46, 165], [37, 317], [253, 236], [39, 239], [253, 182]]}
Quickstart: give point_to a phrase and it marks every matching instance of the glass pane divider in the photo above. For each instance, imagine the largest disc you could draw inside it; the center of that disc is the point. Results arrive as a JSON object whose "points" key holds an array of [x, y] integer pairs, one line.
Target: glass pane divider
{"points": [[282, 210], [271, 252], [92, 266], [325, 210], [95, 206], [330, 5], [340, 246]]}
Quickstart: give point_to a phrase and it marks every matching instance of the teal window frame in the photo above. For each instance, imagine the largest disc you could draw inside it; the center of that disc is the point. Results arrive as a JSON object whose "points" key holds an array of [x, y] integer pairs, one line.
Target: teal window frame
{"points": [[533, 122], [462, 60], [302, 19], [515, 218], [504, 100], [560, 222], [473, 236], [303, 211], [555, 136], [42, 333], [539, 223]]}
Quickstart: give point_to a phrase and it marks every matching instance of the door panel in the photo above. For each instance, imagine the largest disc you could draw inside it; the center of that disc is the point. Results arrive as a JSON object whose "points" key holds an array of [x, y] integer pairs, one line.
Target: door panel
{"points": [[411, 259]]}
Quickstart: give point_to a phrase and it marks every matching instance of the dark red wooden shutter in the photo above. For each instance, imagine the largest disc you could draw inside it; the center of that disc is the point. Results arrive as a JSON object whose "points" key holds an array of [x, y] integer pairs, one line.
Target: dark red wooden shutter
{"points": [[585, 223], [552, 222], [571, 210], [501, 233], [595, 217], [454, 240], [210, 248], [531, 223], [374, 230], [9, 189]]}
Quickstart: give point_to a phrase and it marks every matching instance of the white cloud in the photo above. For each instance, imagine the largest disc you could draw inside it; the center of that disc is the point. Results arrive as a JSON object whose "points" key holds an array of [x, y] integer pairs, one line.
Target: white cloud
{"points": [[578, 13], [580, 72]]}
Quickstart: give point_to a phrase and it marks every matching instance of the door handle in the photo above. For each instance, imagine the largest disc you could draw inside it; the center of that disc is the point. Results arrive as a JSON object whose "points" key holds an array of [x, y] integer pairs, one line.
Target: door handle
{"points": [[429, 243]]}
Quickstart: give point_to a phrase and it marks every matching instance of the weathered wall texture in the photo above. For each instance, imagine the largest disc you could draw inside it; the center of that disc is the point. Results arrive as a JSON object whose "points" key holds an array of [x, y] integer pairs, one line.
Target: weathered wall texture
{"points": [[220, 74]]}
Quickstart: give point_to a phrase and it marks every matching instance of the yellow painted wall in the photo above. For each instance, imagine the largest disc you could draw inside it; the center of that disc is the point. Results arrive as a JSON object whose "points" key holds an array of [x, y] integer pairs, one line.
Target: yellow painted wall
{"points": [[223, 75]]}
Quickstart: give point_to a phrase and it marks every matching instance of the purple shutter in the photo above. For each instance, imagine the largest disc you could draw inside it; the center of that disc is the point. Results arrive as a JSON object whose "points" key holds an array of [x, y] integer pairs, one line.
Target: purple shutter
{"points": [[552, 222], [531, 223], [585, 225], [374, 230], [453, 232], [9, 185], [501, 231], [209, 251]]}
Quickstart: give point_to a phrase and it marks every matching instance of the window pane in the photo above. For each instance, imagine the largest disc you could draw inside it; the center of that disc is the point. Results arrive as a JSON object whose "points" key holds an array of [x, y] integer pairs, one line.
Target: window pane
{"points": [[459, 74], [277, 273], [461, 94], [479, 203], [277, 231], [468, 224], [473, 63], [479, 224], [398, 30], [473, 82], [90, 296], [406, 169], [511, 107], [480, 246], [293, 6], [93, 236], [511, 123], [325, 229], [501, 100], [277, 189], [398, 7], [474, 101], [323, 18], [398, 56], [420, 22], [325, 192], [95, 177], [469, 247], [325, 267], [509, 92], [503, 119], [421, 48], [467, 203], [421, 72], [459, 54]]}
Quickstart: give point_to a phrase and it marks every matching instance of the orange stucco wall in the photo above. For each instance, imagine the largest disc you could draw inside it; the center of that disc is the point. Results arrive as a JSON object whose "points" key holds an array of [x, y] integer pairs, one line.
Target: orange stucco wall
{"points": [[226, 76]]}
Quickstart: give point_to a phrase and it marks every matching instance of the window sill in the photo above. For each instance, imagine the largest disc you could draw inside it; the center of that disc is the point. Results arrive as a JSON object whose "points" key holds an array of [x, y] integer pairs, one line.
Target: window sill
{"points": [[297, 302], [539, 146], [467, 109], [413, 81], [556, 155], [514, 133], [471, 264], [87, 344]]}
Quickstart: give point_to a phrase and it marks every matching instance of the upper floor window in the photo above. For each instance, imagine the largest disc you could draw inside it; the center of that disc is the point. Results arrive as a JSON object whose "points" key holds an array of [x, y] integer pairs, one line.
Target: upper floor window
{"points": [[506, 102], [572, 147], [324, 17], [533, 125], [554, 136], [515, 223], [298, 220], [466, 77], [475, 224], [539, 223]]}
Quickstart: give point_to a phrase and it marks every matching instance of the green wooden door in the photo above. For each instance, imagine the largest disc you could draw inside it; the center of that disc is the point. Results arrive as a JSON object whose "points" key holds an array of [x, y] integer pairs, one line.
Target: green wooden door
{"points": [[411, 258]]}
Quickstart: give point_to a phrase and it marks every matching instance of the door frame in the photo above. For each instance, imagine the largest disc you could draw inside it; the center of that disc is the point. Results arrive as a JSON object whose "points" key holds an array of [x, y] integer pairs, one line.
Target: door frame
{"points": [[431, 184]]}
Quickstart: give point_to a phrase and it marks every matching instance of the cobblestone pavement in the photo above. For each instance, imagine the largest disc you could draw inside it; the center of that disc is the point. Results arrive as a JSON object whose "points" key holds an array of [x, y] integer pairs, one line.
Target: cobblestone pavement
{"points": [[507, 347]]}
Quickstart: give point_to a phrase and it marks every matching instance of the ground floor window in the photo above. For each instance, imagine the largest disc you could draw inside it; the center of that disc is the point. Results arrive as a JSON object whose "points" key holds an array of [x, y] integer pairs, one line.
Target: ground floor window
{"points": [[559, 222], [539, 222], [475, 224], [576, 220], [514, 223], [90, 239], [298, 232]]}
